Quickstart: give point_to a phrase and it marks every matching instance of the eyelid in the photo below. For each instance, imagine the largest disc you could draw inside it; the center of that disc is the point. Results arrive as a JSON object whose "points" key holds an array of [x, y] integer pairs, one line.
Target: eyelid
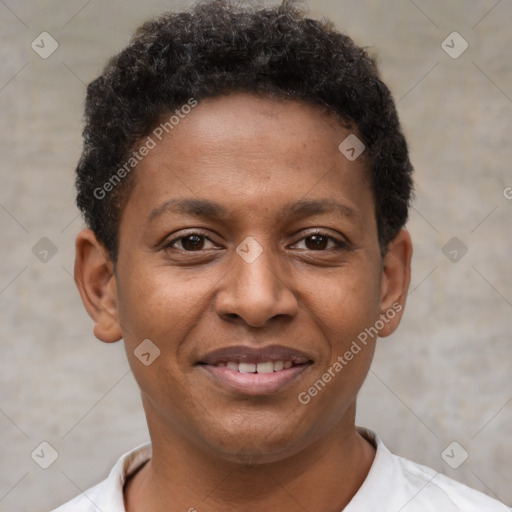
{"points": [[193, 231], [340, 241]]}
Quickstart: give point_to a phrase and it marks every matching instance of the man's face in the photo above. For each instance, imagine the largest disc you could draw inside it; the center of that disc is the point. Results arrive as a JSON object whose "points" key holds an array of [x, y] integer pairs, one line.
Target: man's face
{"points": [[260, 278]]}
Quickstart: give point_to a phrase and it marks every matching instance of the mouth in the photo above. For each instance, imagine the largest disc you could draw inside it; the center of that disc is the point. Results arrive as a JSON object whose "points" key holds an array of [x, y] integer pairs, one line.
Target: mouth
{"points": [[264, 367], [250, 371]]}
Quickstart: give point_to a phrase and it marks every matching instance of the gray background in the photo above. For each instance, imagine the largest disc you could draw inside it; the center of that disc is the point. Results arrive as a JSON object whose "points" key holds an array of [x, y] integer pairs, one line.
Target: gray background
{"points": [[444, 377]]}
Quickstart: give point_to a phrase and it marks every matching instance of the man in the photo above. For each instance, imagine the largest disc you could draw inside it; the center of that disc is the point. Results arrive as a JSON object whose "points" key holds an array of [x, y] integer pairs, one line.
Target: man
{"points": [[246, 185]]}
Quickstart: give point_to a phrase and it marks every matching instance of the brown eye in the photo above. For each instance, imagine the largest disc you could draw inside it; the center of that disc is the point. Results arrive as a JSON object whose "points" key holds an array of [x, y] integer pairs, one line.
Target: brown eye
{"points": [[317, 242], [192, 242], [321, 242]]}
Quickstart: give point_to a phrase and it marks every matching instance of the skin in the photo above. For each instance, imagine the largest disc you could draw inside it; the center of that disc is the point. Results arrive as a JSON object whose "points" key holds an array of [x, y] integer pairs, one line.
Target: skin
{"points": [[215, 449]]}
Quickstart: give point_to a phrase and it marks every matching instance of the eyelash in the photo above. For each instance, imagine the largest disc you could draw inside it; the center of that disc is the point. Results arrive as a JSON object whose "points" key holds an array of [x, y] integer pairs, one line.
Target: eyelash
{"points": [[340, 244]]}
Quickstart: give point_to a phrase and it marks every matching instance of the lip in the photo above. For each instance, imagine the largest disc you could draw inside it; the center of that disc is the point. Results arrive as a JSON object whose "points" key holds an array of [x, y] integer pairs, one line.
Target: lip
{"points": [[254, 384], [244, 354]]}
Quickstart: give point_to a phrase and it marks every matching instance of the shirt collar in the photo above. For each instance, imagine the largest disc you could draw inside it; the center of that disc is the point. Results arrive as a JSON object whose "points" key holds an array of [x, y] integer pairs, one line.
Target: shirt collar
{"points": [[374, 489], [111, 498]]}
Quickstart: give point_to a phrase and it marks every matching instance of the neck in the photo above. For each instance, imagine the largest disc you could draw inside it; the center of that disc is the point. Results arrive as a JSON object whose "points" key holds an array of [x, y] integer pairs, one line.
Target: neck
{"points": [[183, 477]]}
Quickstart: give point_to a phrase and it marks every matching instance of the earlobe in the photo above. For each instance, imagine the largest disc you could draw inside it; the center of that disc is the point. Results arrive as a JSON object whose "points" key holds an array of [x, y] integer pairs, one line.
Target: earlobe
{"points": [[96, 282], [396, 277]]}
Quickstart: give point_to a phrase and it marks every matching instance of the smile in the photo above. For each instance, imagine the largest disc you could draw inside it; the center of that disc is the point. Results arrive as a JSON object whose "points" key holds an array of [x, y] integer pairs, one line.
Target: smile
{"points": [[265, 367], [255, 371]]}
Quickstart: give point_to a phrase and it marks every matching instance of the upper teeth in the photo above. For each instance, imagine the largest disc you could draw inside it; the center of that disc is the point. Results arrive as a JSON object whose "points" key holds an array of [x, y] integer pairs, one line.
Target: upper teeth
{"points": [[265, 367]]}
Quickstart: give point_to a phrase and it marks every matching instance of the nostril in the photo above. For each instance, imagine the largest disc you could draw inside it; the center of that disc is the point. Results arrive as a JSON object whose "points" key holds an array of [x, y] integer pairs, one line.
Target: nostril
{"points": [[232, 316]]}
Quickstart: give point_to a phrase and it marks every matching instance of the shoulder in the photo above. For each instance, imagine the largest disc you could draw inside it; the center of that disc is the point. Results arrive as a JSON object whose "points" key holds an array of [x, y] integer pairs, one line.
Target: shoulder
{"points": [[435, 491], [85, 502], [107, 496], [395, 483]]}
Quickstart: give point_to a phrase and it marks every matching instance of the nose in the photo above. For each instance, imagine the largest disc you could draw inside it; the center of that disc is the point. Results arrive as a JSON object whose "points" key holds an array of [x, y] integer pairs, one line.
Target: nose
{"points": [[255, 291]]}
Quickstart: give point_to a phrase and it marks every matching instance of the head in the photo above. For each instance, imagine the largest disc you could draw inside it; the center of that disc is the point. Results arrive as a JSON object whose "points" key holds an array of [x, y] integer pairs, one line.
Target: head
{"points": [[226, 216]]}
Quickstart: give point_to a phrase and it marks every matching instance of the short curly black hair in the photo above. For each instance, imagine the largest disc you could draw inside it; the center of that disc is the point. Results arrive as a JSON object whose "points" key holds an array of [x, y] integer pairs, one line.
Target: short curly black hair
{"points": [[219, 47]]}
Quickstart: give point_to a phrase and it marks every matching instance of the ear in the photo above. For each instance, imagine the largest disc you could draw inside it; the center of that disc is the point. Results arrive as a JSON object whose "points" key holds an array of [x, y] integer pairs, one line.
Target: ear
{"points": [[96, 282], [395, 280]]}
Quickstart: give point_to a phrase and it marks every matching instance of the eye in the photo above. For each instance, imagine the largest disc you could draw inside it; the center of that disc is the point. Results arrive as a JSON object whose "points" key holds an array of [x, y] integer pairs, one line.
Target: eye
{"points": [[319, 241], [190, 242]]}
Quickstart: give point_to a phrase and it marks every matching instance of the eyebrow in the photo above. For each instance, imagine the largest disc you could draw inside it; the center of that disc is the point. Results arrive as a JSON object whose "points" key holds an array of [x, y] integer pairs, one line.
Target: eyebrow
{"points": [[193, 207], [209, 210], [309, 207]]}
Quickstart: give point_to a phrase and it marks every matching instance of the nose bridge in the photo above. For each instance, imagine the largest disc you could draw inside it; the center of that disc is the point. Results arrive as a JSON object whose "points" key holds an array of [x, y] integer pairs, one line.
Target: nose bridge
{"points": [[257, 271], [255, 288]]}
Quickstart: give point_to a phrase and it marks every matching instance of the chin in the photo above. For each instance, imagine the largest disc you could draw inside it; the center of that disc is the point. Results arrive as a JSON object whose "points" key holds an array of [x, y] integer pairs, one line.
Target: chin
{"points": [[249, 444]]}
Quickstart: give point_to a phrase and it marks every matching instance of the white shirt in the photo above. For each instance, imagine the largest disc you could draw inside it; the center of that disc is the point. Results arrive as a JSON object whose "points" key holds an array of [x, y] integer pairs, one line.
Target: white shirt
{"points": [[394, 484]]}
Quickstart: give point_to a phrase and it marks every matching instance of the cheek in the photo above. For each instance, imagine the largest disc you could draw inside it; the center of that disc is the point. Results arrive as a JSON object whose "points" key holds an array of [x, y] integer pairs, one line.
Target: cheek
{"points": [[351, 314], [158, 309], [348, 307], [154, 305], [155, 315], [346, 302]]}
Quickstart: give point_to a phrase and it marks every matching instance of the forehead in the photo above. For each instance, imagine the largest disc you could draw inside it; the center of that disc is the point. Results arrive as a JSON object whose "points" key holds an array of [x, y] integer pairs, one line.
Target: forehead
{"points": [[243, 123], [252, 151]]}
